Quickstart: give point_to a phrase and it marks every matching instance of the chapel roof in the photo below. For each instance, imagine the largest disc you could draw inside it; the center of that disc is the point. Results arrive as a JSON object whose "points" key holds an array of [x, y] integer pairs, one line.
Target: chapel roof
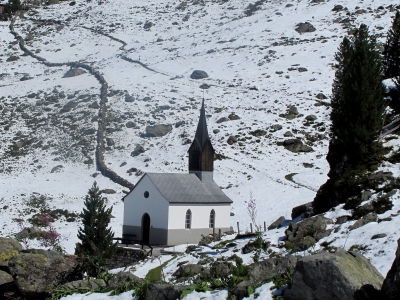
{"points": [[187, 188]]}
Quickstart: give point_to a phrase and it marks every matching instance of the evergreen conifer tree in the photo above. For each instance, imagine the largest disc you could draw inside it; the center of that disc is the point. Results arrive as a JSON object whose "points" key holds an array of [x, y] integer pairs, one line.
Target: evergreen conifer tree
{"points": [[96, 238], [358, 106], [13, 6], [391, 60], [358, 109]]}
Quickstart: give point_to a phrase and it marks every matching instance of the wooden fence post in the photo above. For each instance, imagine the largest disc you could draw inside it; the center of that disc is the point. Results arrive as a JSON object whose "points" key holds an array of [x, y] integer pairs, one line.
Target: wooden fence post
{"points": [[219, 233], [251, 227], [265, 226], [238, 227]]}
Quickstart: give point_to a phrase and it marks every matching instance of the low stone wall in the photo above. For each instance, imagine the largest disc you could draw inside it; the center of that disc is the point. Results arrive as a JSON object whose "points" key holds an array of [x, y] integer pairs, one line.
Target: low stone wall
{"points": [[101, 166], [125, 257]]}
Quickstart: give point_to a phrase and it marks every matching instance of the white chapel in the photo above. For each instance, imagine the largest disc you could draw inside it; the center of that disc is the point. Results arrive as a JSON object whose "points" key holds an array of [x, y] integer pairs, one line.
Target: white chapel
{"points": [[173, 208]]}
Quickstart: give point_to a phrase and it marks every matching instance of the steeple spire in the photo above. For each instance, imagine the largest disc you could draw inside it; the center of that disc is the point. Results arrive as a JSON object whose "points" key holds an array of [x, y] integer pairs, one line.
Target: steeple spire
{"points": [[202, 132], [201, 152]]}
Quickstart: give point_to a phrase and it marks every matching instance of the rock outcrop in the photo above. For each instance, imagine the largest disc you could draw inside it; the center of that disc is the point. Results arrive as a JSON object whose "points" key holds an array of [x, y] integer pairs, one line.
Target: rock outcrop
{"points": [[332, 276], [158, 130], [38, 271], [391, 285]]}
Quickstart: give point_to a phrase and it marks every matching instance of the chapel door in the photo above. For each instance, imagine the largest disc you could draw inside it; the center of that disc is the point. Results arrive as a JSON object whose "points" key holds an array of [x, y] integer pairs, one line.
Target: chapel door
{"points": [[146, 228]]}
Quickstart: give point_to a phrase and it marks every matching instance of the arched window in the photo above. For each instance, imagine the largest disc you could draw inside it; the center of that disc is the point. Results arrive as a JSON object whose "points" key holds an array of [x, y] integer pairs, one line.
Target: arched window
{"points": [[188, 219], [212, 219]]}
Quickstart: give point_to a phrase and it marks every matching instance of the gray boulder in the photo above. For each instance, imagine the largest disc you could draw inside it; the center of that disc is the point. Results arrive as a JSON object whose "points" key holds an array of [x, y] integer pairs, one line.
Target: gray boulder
{"points": [[8, 249], [86, 285], [371, 217], [391, 285], [138, 150], [298, 210], [277, 223], [190, 270], [223, 119], [38, 271], [198, 74], [163, 292], [158, 130], [5, 278], [261, 271], [74, 72], [12, 58], [295, 145], [129, 98], [305, 27], [302, 235], [68, 106], [331, 276], [233, 117]]}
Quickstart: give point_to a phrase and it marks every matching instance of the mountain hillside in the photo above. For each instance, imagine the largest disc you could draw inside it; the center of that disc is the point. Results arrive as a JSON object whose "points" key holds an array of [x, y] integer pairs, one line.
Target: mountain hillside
{"points": [[132, 65]]}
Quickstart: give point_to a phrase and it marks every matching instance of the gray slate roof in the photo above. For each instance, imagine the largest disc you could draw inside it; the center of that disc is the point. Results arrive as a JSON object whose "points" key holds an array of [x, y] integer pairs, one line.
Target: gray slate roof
{"points": [[187, 188]]}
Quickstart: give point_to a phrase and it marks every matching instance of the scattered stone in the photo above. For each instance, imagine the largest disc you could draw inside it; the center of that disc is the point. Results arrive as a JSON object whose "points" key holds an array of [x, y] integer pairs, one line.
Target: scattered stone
{"points": [[259, 272], [57, 169], [233, 117], [288, 134], [223, 119], [138, 150], [306, 233], [371, 217], [302, 69], [231, 140], [110, 142], [331, 276], [215, 131], [163, 291], [277, 223], [198, 74], [108, 191], [321, 96], [311, 118], [147, 25], [205, 86], [295, 145], [179, 124], [298, 210], [68, 106], [378, 236], [158, 130], [87, 285], [188, 270], [74, 72], [12, 58], [130, 124], [337, 8], [94, 105], [343, 219], [129, 98], [305, 27], [258, 132], [275, 127]]}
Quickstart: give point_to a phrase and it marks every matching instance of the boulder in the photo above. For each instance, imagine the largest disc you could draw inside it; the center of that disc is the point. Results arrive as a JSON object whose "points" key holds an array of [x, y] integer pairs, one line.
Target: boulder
{"points": [[68, 106], [129, 98], [371, 217], [305, 27], [74, 72], [158, 130], [138, 150], [188, 270], [198, 74], [298, 210], [311, 118], [302, 235], [38, 271], [277, 223], [295, 145], [12, 58], [5, 278], [391, 285], [90, 284], [233, 117], [163, 292], [8, 249], [231, 140], [261, 271], [321, 96], [223, 119], [331, 276]]}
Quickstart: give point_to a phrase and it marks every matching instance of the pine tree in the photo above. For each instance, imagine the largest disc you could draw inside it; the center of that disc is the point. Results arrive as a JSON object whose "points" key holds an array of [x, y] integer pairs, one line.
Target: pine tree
{"points": [[358, 106], [96, 238], [391, 60], [358, 109], [13, 6]]}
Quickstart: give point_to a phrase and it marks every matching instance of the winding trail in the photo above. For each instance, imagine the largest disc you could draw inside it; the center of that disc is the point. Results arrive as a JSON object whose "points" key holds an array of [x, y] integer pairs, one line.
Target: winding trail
{"points": [[99, 153]]}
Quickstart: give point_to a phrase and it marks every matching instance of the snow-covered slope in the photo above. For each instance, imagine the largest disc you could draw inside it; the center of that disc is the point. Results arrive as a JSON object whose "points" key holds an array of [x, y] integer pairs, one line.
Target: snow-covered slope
{"points": [[258, 66]]}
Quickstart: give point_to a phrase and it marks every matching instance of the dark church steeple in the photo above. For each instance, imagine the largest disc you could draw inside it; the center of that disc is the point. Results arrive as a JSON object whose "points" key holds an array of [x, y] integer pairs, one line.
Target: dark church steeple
{"points": [[201, 152]]}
